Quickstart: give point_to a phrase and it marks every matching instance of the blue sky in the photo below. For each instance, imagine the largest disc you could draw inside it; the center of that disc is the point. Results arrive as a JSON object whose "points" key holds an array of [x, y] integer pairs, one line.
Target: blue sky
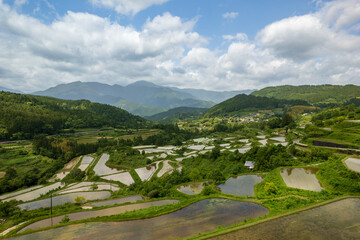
{"points": [[210, 44]]}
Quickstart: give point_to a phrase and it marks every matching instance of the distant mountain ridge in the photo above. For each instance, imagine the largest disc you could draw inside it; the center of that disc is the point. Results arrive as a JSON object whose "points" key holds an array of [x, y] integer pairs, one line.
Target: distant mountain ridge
{"points": [[4, 89], [311, 93], [142, 98]]}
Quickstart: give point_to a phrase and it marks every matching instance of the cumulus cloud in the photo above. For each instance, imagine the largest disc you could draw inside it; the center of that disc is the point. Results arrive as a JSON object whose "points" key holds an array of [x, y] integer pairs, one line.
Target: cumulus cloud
{"points": [[230, 15], [127, 7], [316, 48]]}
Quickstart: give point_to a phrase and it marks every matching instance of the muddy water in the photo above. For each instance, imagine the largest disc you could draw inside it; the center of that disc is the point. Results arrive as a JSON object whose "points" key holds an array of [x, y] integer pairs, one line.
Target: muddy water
{"points": [[240, 185], [303, 178], [335, 221], [65, 198], [97, 213], [134, 198], [200, 217], [191, 188], [353, 164]]}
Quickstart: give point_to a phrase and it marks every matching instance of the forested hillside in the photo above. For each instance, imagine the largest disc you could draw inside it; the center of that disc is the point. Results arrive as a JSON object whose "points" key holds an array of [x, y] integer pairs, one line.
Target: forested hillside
{"points": [[311, 93], [23, 116], [242, 102], [176, 114]]}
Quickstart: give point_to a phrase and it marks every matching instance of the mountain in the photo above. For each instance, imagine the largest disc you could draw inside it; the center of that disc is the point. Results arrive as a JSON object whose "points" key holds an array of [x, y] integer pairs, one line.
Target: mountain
{"points": [[175, 114], [23, 116], [3, 89], [142, 98], [312, 93], [243, 103], [213, 96]]}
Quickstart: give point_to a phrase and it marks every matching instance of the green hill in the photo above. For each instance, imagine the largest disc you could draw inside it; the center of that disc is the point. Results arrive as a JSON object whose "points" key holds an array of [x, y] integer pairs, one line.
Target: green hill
{"points": [[176, 114], [23, 116], [245, 103], [311, 93]]}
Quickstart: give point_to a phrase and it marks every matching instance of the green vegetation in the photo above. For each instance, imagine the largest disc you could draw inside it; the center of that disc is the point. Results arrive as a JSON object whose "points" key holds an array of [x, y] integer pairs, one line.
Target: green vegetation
{"points": [[249, 103], [311, 93], [24, 116], [176, 114]]}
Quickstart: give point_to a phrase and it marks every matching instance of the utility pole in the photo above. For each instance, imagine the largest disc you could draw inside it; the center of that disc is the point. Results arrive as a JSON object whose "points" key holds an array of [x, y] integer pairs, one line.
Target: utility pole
{"points": [[51, 209]]}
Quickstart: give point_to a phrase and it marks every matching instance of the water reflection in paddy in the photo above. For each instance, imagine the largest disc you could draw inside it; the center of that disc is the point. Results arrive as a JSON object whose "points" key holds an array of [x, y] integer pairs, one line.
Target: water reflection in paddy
{"points": [[200, 217], [303, 178], [240, 185], [192, 188], [338, 220]]}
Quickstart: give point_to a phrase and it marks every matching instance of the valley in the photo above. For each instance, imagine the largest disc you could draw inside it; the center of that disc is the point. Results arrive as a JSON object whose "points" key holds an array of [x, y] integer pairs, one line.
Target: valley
{"points": [[237, 168]]}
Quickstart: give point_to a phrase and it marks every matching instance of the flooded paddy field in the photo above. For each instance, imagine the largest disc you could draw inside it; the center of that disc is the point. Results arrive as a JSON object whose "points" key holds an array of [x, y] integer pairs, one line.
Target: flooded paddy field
{"points": [[200, 217], [19, 192], [353, 164], [145, 173], [124, 178], [302, 178], [97, 213], [65, 198], [85, 162], [335, 221], [129, 199], [88, 186], [101, 169], [34, 194], [240, 185], [166, 168], [192, 188]]}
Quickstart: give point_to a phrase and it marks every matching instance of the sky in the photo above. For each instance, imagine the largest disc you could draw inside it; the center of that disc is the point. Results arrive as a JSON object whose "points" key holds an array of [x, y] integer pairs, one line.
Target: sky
{"points": [[205, 44]]}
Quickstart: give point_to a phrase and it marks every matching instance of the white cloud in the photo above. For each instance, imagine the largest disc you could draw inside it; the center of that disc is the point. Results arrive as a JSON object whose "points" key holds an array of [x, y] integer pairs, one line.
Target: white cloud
{"points": [[238, 37], [230, 15], [314, 48], [127, 7]]}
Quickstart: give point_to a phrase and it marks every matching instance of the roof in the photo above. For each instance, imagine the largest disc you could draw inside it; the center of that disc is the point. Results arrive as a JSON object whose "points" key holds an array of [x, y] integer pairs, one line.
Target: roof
{"points": [[249, 164]]}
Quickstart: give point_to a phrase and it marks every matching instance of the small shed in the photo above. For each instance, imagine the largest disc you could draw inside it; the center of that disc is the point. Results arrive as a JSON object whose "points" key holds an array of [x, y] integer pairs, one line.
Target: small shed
{"points": [[249, 164]]}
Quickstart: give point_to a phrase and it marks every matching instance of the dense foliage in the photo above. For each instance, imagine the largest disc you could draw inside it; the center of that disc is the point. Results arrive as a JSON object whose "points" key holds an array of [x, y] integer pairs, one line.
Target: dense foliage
{"points": [[24, 116], [176, 114], [242, 102]]}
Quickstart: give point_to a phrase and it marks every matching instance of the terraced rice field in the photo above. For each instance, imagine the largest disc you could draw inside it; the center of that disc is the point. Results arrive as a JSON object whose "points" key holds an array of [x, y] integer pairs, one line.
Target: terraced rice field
{"points": [[85, 162], [191, 188], [19, 192], [200, 217], [101, 169], [124, 178], [240, 185], [34, 194], [145, 173], [302, 178], [279, 139], [196, 147], [88, 186], [335, 221], [166, 168], [353, 164], [65, 198], [98, 213], [130, 199]]}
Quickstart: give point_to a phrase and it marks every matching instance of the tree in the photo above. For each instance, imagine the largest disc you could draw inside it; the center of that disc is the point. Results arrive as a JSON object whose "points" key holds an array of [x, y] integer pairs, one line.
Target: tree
{"points": [[270, 188], [79, 199], [195, 174], [65, 219], [94, 187]]}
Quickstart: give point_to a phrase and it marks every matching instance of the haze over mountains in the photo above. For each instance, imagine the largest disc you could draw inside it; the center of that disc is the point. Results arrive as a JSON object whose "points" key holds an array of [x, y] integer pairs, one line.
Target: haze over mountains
{"points": [[142, 98]]}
